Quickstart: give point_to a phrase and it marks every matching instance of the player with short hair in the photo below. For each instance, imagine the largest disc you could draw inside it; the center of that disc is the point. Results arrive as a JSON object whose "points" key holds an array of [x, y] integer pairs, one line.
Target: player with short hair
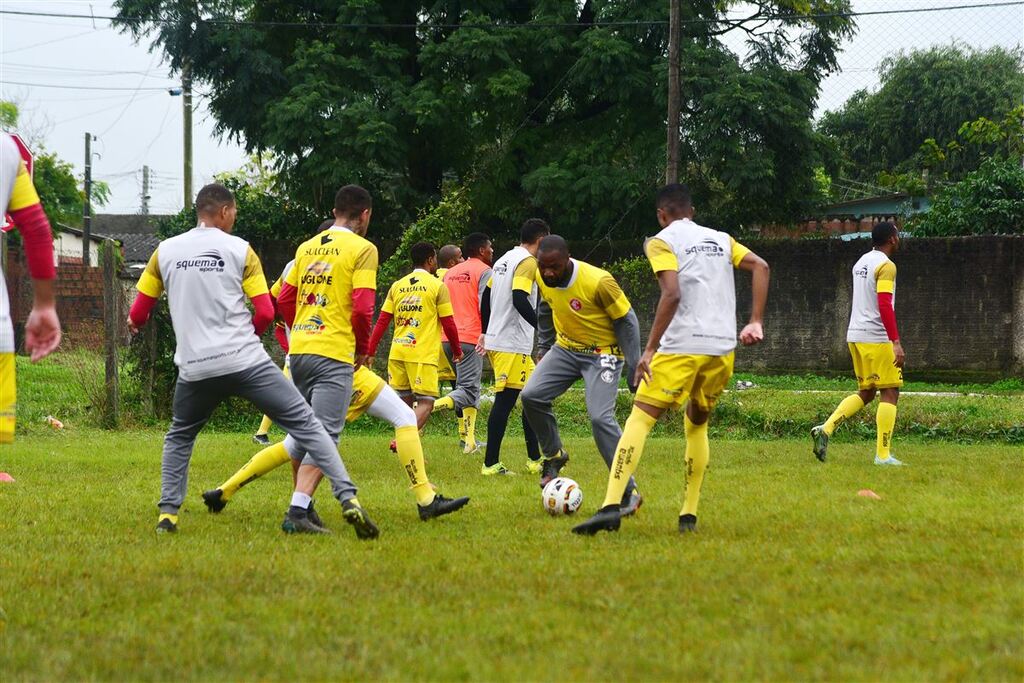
{"points": [[327, 301], [875, 346], [508, 310], [208, 274], [372, 396], [421, 307], [587, 330], [689, 354], [447, 256], [42, 329], [466, 282]]}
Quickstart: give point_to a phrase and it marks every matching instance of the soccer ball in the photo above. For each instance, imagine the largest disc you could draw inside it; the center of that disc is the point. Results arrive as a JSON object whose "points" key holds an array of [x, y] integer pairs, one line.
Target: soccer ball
{"points": [[562, 496]]}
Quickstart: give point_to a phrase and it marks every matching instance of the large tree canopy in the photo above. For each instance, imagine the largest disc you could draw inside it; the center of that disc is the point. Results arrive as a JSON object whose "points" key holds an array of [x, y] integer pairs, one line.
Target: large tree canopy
{"points": [[926, 94], [566, 120]]}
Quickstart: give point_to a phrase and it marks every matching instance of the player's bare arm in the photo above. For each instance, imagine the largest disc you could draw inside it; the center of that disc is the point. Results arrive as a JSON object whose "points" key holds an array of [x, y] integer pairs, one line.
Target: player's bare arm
{"points": [[753, 332], [668, 302]]}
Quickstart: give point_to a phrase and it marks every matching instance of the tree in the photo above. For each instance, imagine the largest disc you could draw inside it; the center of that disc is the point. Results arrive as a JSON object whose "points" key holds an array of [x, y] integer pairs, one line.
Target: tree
{"points": [[923, 95], [60, 192], [989, 201], [561, 117]]}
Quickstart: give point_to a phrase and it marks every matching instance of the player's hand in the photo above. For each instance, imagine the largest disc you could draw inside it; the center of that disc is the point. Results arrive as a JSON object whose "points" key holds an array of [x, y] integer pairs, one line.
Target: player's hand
{"points": [[481, 345], [364, 360], [897, 350], [42, 332], [643, 369], [457, 353], [752, 334], [132, 327]]}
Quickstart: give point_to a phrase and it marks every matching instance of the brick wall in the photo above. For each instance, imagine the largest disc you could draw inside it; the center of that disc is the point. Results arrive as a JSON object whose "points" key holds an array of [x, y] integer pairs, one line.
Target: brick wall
{"points": [[959, 305], [79, 301]]}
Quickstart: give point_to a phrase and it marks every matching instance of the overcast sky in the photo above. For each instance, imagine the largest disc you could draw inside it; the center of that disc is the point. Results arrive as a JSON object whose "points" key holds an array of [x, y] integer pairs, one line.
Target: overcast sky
{"points": [[70, 76]]}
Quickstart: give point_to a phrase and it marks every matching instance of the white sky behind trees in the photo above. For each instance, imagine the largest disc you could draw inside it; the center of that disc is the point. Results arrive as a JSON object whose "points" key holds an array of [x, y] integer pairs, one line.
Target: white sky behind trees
{"points": [[123, 96]]}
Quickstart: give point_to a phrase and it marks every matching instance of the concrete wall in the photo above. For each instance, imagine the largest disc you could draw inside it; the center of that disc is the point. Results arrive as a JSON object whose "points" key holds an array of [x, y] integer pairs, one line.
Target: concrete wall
{"points": [[959, 305]]}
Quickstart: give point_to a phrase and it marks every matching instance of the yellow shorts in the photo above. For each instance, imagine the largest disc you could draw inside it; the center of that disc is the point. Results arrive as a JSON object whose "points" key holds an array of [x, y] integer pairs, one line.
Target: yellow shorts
{"points": [[418, 378], [875, 366], [676, 377], [366, 387], [511, 370], [7, 397], [445, 371]]}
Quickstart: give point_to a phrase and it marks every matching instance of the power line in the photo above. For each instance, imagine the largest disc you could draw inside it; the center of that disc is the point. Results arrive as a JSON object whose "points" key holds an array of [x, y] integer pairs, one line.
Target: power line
{"points": [[87, 73], [85, 87], [536, 25], [134, 96], [45, 42]]}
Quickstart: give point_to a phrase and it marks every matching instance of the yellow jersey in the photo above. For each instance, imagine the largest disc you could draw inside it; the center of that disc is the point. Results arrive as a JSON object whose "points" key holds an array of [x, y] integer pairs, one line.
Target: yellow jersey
{"points": [[584, 309], [418, 301], [328, 268]]}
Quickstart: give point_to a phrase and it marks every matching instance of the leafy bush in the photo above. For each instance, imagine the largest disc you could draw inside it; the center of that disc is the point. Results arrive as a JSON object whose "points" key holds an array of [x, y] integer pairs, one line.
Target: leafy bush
{"points": [[988, 201]]}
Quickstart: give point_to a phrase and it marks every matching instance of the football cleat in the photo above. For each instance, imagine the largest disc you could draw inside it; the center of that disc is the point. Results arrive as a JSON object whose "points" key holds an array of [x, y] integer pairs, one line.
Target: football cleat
{"points": [[687, 524], [214, 500], [820, 439], [360, 521], [441, 506], [607, 518], [534, 466], [496, 468], [631, 502], [313, 516], [468, 448], [166, 526], [261, 439], [297, 521], [552, 465], [891, 461]]}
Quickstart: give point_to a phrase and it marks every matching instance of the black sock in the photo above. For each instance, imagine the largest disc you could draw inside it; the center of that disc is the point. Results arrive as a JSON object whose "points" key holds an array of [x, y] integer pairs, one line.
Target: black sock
{"points": [[458, 412], [497, 422], [532, 447]]}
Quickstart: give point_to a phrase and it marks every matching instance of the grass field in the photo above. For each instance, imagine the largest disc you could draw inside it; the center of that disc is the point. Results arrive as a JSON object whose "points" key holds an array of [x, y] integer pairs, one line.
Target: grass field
{"points": [[791, 576]]}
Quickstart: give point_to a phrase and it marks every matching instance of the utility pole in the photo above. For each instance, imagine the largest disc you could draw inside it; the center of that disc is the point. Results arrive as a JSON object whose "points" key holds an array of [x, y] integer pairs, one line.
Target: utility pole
{"points": [[672, 153], [87, 211], [145, 191], [186, 102]]}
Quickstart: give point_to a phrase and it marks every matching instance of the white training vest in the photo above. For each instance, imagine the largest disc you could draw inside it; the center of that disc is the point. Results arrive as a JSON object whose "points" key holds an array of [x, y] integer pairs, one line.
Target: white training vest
{"points": [[705, 321], [865, 319], [10, 164], [202, 273], [507, 331]]}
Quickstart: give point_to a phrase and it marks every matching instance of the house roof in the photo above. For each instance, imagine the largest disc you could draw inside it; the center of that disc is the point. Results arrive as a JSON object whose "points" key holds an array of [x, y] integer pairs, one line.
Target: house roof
{"points": [[136, 248], [93, 235], [127, 224]]}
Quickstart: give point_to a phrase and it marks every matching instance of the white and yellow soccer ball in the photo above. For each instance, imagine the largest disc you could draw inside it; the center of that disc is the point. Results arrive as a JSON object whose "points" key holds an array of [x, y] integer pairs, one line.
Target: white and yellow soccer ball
{"points": [[562, 496]]}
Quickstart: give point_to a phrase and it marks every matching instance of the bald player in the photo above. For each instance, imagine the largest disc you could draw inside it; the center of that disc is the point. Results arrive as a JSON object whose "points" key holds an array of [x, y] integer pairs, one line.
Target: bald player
{"points": [[448, 256]]}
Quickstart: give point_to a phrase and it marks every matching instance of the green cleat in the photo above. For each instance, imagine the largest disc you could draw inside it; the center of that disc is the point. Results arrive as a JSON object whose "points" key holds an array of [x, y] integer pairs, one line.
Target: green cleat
{"points": [[607, 518], [820, 442], [534, 466], [495, 469], [365, 529]]}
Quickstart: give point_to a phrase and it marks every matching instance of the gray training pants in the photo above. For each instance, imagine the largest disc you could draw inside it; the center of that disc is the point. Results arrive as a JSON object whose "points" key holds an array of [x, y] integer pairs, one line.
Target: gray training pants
{"points": [[271, 392], [468, 373], [327, 385], [553, 376]]}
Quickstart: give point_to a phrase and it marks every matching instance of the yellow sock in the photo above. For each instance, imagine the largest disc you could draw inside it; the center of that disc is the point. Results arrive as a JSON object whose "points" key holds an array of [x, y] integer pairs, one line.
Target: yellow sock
{"points": [[462, 427], [470, 414], [410, 454], [698, 451], [885, 420], [165, 515], [445, 403], [265, 426], [846, 409], [266, 460], [627, 455]]}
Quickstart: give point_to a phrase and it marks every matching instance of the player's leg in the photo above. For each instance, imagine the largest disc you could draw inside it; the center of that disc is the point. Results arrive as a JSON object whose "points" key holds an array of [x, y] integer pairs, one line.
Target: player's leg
{"points": [[265, 461], [261, 435], [388, 406], [555, 373], [885, 424], [511, 373], [313, 429], [426, 388], [601, 376], [8, 396], [709, 383], [466, 396], [672, 376], [847, 408], [445, 372], [192, 406]]}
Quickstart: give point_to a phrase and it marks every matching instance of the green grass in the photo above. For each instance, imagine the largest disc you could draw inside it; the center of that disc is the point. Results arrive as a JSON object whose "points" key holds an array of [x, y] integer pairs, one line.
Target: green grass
{"points": [[792, 576]]}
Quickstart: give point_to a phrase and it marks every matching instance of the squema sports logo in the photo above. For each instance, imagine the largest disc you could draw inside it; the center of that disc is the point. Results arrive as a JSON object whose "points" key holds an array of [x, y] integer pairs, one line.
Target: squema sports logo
{"points": [[312, 325], [206, 262], [708, 247]]}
